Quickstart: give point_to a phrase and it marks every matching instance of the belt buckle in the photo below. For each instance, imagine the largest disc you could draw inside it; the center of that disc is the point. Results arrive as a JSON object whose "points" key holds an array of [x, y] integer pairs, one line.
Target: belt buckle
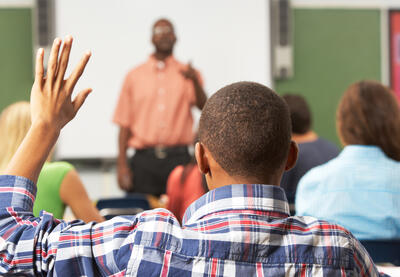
{"points": [[160, 152]]}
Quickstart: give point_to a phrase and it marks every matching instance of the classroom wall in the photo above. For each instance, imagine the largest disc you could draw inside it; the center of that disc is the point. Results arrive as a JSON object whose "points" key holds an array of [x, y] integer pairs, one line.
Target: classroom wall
{"points": [[339, 46], [16, 75], [332, 49], [227, 40]]}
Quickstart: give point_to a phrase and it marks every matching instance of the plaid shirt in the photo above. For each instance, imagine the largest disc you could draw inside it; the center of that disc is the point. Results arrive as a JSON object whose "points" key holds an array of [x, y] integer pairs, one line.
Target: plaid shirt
{"points": [[237, 230]]}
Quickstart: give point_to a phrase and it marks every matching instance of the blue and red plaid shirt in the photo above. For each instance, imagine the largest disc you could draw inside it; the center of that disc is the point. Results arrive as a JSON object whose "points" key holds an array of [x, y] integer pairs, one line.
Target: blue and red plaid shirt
{"points": [[237, 230]]}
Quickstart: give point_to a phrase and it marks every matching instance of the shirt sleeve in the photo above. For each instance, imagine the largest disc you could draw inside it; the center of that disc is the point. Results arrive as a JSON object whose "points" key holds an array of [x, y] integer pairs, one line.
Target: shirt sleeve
{"points": [[42, 245], [363, 264], [123, 112]]}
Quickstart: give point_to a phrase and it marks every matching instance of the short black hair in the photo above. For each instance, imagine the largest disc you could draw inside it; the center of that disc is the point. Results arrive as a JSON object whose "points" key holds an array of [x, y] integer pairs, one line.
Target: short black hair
{"points": [[246, 127], [300, 113]]}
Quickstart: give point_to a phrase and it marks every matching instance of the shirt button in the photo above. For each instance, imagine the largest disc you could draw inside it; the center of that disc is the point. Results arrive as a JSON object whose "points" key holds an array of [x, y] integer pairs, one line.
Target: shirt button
{"points": [[160, 65]]}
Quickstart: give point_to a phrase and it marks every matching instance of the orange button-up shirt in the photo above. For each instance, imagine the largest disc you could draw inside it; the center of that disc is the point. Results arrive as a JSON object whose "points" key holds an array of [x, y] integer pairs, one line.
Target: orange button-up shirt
{"points": [[155, 104]]}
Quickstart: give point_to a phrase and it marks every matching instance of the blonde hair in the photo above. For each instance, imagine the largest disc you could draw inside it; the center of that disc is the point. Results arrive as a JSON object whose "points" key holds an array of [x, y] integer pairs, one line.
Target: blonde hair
{"points": [[15, 121]]}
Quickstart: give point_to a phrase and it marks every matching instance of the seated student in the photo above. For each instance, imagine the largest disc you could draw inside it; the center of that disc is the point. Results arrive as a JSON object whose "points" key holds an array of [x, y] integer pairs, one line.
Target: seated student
{"points": [[360, 188], [241, 227], [59, 184], [313, 150]]}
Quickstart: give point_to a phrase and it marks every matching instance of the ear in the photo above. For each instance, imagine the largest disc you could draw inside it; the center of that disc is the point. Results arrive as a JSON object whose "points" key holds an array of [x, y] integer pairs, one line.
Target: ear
{"points": [[201, 158], [292, 156]]}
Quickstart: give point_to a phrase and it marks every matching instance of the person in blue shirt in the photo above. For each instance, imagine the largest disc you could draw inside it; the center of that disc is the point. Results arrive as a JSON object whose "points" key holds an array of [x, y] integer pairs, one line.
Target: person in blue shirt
{"points": [[360, 189], [313, 150]]}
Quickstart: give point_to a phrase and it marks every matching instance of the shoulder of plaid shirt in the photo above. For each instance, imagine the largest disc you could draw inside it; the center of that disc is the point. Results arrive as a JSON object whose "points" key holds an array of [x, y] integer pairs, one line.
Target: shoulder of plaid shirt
{"points": [[230, 231]]}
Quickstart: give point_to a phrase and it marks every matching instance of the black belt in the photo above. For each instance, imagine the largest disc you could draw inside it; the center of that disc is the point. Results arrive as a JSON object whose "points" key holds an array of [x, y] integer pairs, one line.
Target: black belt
{"points": [[161, 152]]}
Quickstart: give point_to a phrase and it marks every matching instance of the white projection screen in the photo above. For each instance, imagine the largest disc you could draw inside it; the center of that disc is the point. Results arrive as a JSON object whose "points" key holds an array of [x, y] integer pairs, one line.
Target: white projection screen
{"points": [[226, 40]]}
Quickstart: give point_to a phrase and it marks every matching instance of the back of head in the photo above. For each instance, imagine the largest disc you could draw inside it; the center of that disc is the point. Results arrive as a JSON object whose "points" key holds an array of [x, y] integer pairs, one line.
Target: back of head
{"points": [[299, 113], [15, 121], [246, 127], [368, 114]]}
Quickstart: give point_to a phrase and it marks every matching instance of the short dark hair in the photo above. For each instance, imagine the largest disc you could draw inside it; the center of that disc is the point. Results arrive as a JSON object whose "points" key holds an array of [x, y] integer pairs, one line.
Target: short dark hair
{"points": [[299, 113], [368, 114], [246, 127]]}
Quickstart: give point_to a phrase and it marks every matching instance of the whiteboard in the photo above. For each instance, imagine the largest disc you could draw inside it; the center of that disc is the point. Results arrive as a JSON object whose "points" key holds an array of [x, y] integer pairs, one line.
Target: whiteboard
{"points": [[226, 40]]}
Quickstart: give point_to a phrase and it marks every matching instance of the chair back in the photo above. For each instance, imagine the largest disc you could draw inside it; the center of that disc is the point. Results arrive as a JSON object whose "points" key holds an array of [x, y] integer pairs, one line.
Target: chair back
{"points": [[383, 251], [129, 205]]}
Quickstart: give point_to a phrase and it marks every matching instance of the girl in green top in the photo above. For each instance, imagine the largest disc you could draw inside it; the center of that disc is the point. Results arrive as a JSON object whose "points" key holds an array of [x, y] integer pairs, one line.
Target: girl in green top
{"points": [[59, 184]]}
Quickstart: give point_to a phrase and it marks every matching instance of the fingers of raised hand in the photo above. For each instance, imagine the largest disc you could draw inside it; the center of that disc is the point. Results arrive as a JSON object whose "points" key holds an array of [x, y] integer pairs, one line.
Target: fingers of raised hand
{"points": [[52, 64], [80, 99], [63, 63], [76, 74], [39, 67]]}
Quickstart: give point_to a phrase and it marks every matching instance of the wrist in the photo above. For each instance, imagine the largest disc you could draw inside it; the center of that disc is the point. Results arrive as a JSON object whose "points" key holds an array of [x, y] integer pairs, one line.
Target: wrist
{"points": [[46, 128], [195, 80], [122, 162]]}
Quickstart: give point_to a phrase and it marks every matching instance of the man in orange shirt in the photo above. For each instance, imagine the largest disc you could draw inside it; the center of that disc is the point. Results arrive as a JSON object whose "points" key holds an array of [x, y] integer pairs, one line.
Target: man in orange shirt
{"points": [[154, 115]]}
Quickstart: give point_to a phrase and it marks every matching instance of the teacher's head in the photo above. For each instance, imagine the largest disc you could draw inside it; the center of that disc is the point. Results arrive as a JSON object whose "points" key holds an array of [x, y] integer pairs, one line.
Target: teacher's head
{"points": [[163, 36]]}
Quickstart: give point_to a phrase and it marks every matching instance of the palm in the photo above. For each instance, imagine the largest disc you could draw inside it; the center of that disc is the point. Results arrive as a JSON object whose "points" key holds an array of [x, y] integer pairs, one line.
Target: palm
{"points": [[51, 101]]}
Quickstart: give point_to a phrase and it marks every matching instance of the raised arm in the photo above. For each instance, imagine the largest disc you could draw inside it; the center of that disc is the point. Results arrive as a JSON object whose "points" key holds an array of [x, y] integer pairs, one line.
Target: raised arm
{"points": [[191, 74], [51, 108], [45, 245]]}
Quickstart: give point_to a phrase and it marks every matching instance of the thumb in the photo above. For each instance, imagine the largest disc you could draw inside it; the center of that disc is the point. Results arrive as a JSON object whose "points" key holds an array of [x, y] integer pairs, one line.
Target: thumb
{"points": [[80, 99]]}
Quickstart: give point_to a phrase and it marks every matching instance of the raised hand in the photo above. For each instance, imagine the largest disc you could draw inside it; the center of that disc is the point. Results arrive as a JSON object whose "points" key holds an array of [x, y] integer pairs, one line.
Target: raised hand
{"points": [[51, 102], [189, 72], [51, 108]]}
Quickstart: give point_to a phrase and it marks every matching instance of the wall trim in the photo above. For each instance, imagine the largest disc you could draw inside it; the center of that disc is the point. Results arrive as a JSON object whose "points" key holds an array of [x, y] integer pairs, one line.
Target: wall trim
{"points": [[345, 4], [17, 3], [385, 49]]}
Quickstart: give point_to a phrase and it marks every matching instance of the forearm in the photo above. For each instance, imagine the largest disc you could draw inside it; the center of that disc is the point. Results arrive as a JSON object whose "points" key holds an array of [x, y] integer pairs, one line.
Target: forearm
{"points": [[33, 152], [201, 96], [85, 211], [123, 138]]}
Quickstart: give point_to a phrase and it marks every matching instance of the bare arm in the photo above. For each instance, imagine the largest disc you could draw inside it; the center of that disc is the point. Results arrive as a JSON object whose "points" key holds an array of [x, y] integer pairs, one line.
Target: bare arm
{"points": [[125, 174], [51, 108], [73, 193], [200, 94], [201, 97]]}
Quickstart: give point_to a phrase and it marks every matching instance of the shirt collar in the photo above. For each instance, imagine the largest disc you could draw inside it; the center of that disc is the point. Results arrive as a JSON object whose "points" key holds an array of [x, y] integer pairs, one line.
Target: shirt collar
{"points": [[368, 151], [257, 197], [160, 65]]}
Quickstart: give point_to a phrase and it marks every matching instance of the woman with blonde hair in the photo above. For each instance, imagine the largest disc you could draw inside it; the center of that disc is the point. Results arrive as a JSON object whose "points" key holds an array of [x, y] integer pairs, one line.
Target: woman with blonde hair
{"points": [[360, 188], [59, 184]]}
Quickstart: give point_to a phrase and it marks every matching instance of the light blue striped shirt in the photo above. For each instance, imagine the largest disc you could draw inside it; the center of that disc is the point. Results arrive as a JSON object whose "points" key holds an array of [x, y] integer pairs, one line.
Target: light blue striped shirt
{"points": [[360, 190]]}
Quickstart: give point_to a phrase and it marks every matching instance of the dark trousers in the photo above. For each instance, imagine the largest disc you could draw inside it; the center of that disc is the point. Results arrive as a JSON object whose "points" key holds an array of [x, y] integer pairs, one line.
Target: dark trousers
{"points": [[152, 166]]}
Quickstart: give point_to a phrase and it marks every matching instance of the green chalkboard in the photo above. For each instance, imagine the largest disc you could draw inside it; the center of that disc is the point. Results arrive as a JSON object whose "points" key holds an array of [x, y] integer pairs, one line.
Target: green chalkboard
{"points": [[15, 55], [332, 49]]}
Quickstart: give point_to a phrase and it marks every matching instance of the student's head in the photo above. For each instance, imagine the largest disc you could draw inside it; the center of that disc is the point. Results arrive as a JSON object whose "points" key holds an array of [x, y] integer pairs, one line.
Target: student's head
{"points": [[368, 114], [163, 36], [15, 121], [299, 113], [244, 134]]}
